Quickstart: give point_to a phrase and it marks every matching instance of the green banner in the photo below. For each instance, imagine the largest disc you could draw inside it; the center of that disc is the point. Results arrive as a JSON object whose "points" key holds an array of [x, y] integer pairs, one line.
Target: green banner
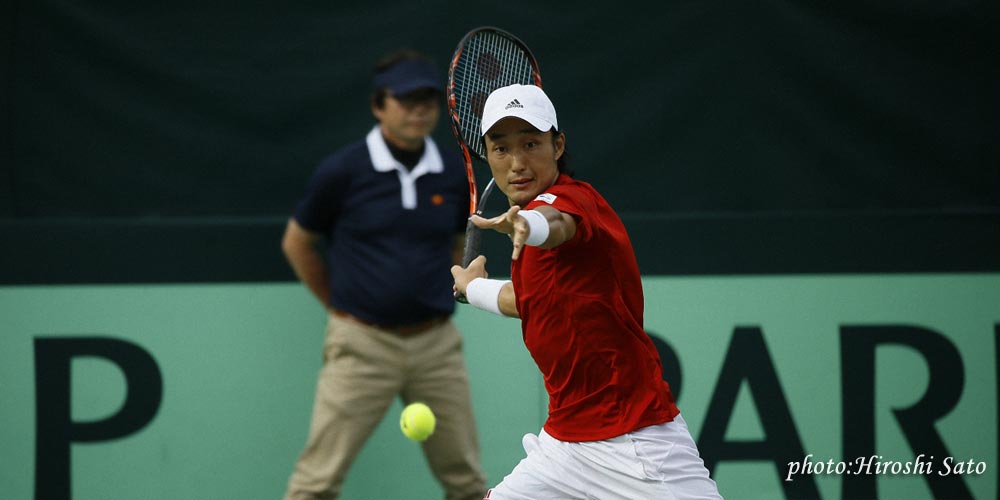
{"points": [[794, 386]]}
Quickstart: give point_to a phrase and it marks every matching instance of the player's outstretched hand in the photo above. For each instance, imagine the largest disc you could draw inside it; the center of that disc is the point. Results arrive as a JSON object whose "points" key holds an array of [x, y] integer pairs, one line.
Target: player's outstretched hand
{"points": [[509, 223]]}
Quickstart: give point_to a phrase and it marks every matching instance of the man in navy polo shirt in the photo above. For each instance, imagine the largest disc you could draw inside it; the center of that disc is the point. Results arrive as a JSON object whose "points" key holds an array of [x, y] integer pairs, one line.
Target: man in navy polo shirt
{"points": [[374, 239]]}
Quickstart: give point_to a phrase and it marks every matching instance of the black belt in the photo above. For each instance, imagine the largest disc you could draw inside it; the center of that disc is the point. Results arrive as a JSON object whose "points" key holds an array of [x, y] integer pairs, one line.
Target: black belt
{"points": [[401, 330]]}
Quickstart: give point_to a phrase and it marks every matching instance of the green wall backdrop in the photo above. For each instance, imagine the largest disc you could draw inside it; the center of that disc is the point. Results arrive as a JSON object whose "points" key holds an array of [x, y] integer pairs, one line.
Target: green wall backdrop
{"points": [[238, 364]]}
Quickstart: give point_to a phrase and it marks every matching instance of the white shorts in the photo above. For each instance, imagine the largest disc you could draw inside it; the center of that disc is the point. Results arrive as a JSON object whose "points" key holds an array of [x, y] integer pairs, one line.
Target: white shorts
{"points": [[659, 462]]}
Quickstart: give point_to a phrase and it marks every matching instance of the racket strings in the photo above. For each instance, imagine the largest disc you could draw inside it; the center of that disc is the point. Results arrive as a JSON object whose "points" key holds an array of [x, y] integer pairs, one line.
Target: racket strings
{"points": [[488, 61]]}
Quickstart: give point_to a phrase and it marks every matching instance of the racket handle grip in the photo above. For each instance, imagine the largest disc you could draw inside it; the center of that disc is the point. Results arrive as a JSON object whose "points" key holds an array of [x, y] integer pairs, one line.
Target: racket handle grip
{"points": [[473, 239]]}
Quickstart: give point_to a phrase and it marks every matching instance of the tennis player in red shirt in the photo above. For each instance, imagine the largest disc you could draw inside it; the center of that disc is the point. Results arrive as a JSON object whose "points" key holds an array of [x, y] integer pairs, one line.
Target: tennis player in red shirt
{"points": [[613, 431]]}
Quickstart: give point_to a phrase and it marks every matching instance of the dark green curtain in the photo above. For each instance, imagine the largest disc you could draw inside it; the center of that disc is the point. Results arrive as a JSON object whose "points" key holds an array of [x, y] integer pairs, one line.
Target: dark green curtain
{"points": [[169, 141], [209, 109]]}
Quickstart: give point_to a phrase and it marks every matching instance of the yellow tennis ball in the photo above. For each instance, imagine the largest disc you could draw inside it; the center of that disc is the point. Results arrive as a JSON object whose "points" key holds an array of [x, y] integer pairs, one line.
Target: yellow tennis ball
{"points": [[417, 421]]}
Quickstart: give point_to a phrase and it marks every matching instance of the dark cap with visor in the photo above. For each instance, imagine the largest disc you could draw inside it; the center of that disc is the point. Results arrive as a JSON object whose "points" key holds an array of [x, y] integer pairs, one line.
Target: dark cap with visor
{"points": [[408, 75]]}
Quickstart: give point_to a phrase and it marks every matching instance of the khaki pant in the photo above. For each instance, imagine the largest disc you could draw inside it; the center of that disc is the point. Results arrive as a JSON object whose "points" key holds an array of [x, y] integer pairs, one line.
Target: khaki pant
{"points": [[364, 369]]}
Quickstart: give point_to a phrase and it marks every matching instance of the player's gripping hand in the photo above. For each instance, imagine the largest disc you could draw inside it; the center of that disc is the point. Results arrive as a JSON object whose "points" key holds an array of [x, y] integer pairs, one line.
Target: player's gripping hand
{"points": [[509, 223], [476, 269]]}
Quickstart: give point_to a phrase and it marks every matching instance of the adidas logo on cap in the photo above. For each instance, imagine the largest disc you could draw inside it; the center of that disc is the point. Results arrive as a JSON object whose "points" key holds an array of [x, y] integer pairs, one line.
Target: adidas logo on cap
{"points": [[526, 102], [514, 104]]}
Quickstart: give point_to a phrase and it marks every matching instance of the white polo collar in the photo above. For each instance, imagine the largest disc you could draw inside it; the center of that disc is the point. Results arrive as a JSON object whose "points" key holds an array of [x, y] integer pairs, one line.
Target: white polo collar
{"points": [[383, 161]]}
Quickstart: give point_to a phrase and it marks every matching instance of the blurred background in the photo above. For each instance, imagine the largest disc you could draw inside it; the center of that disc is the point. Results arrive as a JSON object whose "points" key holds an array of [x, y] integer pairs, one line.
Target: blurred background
{"points": [[789, 167], [801, 135]]}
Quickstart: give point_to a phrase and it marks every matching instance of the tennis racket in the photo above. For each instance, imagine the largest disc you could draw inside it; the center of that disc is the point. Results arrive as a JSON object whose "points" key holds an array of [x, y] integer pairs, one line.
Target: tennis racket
{"points": [[486, 59]]}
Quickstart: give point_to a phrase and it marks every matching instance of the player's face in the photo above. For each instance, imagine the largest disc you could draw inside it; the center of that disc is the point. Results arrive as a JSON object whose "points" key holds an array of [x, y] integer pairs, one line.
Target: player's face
{"points": [[523, 159], [407, 119]]}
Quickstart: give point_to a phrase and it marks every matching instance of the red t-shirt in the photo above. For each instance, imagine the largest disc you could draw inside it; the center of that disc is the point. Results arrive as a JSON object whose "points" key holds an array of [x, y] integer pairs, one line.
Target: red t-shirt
{"points": [[581, 317]]}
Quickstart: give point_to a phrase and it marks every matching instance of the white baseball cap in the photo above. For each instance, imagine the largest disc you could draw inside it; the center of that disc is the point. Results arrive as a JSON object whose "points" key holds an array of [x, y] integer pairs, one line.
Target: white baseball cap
{"points": [[526, 102]]}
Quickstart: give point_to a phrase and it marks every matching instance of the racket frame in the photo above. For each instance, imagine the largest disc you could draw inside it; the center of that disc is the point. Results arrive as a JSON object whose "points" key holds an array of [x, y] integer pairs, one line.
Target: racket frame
{"points": [[457, 111]]}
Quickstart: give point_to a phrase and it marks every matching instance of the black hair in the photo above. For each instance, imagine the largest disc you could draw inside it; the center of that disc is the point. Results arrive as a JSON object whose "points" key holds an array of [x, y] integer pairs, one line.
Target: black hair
{"points": [[563, 162]]}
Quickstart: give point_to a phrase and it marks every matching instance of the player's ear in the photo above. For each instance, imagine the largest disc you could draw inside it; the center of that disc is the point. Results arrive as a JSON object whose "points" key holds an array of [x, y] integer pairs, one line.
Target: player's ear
{"points": [[559, 142]]}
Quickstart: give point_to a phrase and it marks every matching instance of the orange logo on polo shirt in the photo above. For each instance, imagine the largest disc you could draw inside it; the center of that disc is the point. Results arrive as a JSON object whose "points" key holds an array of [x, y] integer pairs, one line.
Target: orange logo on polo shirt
{"points": [[437, 200]]}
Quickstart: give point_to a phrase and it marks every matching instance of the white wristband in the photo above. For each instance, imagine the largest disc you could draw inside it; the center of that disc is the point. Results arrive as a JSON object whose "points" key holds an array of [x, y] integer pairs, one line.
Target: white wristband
{"points": [[485, 294], [538, 227]]}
